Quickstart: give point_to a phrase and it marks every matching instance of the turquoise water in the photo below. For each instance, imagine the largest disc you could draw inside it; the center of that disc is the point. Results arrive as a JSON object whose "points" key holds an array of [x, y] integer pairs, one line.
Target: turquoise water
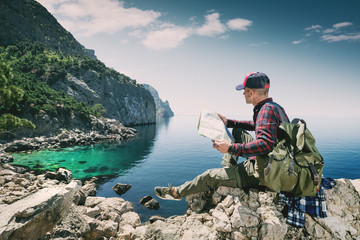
{"points": [[171, 152]]}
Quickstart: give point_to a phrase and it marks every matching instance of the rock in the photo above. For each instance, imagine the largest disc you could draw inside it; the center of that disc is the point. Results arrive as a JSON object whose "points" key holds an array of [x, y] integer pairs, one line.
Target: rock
{"points": [[227, 213], [4, 158], [80, 197], [156, 218], [120, 188], [36, 214], [221, 221], [150, 203], [63, 174], [145, 199], [130, 218], [163, 109], [21, 145]]}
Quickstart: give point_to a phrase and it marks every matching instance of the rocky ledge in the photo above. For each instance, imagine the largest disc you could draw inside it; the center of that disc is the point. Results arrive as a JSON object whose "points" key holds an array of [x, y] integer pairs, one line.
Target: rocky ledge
{"points": [[54, 206], [103, 130]]}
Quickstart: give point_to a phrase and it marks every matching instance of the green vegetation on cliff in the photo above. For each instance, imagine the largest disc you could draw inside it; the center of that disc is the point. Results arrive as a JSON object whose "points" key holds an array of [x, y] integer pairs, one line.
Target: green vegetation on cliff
{"points": [[10, 96], [35, 68]]}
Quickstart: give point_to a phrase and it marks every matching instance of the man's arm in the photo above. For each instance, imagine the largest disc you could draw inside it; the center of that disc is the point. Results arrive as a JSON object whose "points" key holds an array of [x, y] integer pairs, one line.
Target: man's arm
{"points": [[246, 125], [267, 124]]}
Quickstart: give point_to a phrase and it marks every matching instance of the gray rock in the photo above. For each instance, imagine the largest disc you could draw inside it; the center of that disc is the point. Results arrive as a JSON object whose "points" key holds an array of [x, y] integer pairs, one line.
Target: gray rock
{"points": [[163, 109], [36, 214], [4, 158], [21, 145], [145, 199], [152, 219], [121, 188], [150, 203]]}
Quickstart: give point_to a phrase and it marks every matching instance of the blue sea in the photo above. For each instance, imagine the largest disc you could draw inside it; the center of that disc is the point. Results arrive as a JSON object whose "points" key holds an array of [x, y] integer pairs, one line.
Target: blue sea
{"points": [[172, 152]]}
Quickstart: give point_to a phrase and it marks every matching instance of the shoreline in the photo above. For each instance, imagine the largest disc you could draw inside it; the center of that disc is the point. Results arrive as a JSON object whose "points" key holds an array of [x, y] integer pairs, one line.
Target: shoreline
{"points": [[59, 207]]}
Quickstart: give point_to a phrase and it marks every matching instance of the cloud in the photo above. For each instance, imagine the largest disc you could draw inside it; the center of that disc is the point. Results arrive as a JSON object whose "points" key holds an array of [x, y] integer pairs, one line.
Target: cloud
{"points": [[86, 18], [169, 36], [89, 17], [338, 32], [342, 24], [315, 28], [341, 37], [166, 38], [329, 30], [298, 41], [239, 24], [212, 26]]}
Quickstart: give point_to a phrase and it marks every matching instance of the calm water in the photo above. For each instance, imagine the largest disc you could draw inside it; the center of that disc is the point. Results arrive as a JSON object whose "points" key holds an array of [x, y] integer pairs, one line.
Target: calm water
{"points": [[171, 152]]}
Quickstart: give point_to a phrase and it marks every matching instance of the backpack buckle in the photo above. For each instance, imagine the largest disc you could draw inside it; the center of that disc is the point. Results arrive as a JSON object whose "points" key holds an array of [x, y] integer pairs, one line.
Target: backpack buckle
{"points": [[314, 174]]}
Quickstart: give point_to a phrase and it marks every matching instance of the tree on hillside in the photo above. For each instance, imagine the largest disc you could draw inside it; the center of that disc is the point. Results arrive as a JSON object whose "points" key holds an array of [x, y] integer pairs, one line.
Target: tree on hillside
{"points": [[10, 95]]}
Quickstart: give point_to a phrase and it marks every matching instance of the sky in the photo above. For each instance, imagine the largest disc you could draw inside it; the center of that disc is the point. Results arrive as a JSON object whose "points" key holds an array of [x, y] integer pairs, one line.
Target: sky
{"points": [[194, 53]]}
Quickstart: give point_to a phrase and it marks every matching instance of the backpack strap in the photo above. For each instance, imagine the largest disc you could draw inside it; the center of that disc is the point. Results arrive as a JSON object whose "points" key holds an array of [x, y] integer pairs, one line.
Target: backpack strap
{"points": [[283, 118], [314, 173]]}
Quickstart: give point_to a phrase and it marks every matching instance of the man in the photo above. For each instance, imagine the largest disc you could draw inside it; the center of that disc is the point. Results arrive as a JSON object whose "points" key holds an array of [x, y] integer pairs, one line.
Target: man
{"points": [[267, 117]]}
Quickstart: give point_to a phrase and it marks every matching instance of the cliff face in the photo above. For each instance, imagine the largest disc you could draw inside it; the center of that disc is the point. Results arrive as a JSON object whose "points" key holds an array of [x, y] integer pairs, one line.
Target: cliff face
{"points": [[87, 81], [128, 103], [163, 109], [28, 20]]}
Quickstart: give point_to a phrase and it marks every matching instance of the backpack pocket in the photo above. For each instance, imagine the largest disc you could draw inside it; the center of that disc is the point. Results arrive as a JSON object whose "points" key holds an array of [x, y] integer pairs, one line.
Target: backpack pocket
{"points": [[310, 172], [277, 171]]}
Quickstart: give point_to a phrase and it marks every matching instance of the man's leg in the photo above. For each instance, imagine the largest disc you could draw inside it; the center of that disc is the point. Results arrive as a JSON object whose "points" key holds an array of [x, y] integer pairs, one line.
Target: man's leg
{"points": [[241, 136], [233, 176]]}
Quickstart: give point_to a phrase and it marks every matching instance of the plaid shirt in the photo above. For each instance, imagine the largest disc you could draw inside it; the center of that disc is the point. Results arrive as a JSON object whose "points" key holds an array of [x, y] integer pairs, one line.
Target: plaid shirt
{"points": [[314, 206], [267, 119]]}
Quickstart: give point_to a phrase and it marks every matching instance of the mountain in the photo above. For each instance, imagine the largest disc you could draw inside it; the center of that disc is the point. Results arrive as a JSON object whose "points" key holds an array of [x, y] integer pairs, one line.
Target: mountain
{"points": [[28, 20], [163, 109], [63, 82]]}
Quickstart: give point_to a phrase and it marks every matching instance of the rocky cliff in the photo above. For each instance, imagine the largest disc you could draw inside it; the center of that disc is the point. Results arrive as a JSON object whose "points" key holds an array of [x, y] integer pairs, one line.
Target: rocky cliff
{"points": [[53, 206], [28, 20], [163, 109], [129, 103], [37, 47]]}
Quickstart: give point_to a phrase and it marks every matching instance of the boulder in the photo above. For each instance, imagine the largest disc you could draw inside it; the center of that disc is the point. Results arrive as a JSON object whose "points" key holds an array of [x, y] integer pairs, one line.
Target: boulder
{"points": [[4, 158], [21, 145], [150, 203], [120, 188], [33, 216], [62, 174]]}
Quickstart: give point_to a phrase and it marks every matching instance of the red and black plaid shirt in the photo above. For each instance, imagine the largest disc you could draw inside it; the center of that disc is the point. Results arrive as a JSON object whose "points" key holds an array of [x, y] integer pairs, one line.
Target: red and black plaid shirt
{"points": [[267, 119]]}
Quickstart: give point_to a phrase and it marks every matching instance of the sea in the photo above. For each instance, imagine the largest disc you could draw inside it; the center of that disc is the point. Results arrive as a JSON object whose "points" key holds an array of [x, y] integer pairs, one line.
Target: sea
{"points": [[172, 152]]}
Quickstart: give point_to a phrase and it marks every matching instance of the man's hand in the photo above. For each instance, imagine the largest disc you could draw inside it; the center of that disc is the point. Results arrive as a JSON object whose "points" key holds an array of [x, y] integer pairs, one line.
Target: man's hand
{"points": [[223, 118], [221, 146]]}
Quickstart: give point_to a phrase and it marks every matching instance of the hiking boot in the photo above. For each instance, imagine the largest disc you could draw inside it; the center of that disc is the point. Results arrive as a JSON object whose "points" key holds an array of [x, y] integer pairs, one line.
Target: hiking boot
{"points": [[166, 193]]}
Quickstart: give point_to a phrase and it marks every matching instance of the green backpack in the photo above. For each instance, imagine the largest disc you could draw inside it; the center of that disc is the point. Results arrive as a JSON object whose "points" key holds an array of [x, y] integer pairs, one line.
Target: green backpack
{"points": [[295, 165]]}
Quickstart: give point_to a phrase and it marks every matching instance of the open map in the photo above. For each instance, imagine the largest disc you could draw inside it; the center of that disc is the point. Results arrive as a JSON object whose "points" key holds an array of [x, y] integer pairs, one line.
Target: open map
{"points": [[210, 125]]}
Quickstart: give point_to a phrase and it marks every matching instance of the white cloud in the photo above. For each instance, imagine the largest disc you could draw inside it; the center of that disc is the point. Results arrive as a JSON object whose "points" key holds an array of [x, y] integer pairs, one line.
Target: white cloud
{"points": [[89, 17], [329, 30], [298, 41], [239, 24], [315, 28], [342, 37], [166, 38], [337, 33], [342, 24], [212, 26]]}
